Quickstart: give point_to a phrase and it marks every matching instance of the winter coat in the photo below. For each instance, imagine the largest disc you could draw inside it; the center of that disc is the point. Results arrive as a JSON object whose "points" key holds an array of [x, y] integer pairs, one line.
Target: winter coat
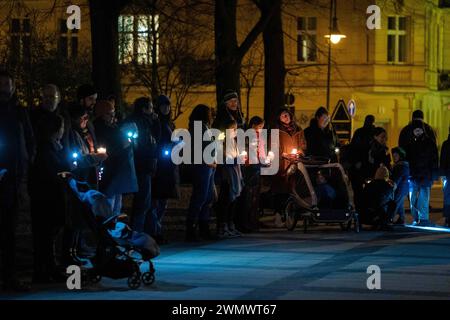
{"points": [[46, 188], [419, 142], [17, 142], [39, 119], [377, 155], [166, 182], [146, 145], [231, 171], [359, 147], [378, 197], [445, 158], [321, 143], [119, 173], [280, 183], [86, 168], [400, 175]]}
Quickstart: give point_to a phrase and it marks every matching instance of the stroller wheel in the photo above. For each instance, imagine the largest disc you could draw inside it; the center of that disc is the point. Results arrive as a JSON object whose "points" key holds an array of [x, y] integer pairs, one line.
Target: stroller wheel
{"points": [[148, 278], [291, 214], [134, 281]]}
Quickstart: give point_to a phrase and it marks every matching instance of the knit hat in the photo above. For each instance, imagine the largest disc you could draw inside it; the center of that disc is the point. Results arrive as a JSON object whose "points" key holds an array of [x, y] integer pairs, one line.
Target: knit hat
{"points": [[163, 100], [400, 152], [230, 94], [102, 107], [85, 91]]}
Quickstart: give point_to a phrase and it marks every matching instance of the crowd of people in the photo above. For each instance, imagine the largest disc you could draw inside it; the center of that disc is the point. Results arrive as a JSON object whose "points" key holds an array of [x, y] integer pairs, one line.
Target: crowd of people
{"points": [[119, 155]]}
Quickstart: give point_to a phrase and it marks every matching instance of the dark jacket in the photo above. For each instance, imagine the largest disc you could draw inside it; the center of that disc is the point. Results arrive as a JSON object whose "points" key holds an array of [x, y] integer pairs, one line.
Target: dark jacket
{"points": [[39, 119], [224, 114], [166, 183], [360, 143], [321, 143], [419, 142], [17, 143], [378, 198], [445, 158], [46, 189], [86, 168], [400, 175], [378, 154], [146, 145], [119, 174]]}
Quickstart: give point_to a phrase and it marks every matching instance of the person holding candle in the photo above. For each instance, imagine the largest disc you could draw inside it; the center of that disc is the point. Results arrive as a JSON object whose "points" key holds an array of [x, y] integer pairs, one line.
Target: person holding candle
{"points": [[231, 184], [248, 221], [119, 174], [292, 143]]}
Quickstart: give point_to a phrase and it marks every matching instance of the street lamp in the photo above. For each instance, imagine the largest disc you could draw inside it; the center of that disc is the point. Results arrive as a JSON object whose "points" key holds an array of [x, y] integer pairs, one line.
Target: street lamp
{"points": [[334, 37]]}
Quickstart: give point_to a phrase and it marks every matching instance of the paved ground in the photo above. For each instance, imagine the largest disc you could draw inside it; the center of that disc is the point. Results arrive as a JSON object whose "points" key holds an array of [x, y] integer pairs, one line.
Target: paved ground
{"points": [[275, 264], [324, 264]]}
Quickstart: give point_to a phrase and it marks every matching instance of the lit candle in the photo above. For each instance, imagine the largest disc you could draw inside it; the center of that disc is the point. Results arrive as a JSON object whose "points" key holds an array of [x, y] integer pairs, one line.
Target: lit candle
{"points": [[101, 150], [271, 155], [244, 153], [294, 151], [221, 136], [336, 150]]}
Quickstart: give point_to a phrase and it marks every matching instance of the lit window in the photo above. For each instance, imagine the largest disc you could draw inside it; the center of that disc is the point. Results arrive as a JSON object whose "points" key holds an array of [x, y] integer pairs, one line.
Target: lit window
{"points": [[306, 39], [135, 38], [397, 39]]}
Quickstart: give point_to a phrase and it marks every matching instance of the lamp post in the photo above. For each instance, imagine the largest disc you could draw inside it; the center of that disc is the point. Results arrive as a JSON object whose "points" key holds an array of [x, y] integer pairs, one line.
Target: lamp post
{"points": [[334, 37]]}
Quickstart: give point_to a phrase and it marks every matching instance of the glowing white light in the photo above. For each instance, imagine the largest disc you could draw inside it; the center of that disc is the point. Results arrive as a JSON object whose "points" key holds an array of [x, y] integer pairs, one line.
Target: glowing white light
{"points": [[74, 155], [294, 151], [337, 150], [101, 150], [221, 136]]}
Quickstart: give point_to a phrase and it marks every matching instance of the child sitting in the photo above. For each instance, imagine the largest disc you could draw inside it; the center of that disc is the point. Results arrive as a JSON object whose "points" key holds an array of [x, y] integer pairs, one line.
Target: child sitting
{"points": [[324, 191]]}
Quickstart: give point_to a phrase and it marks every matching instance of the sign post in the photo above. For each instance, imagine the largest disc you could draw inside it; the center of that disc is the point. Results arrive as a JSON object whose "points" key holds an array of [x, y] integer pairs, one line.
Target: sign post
{"points": [[342, 122]]}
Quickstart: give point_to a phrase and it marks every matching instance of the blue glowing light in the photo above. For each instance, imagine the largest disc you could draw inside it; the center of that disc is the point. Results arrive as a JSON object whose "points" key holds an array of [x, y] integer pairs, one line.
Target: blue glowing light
{"points": [[439, 229], [166, 152], [75, 155], [130, 134]]}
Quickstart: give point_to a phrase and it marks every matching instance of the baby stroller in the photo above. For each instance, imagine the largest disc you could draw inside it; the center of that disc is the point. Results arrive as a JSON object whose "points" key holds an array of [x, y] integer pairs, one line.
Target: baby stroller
{"points": [[119, 251], [320, 194]]}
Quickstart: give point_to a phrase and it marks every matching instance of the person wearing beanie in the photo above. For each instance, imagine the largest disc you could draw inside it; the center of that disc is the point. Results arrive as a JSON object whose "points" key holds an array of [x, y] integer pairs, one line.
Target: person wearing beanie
{"points": [[118, 175], [400, 176], [87, 97], [418, 140], [445, 171], [230, 109]]}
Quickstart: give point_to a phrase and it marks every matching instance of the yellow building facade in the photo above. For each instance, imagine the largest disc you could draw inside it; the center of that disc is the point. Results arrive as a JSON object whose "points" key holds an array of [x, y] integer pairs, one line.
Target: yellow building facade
{"points": [[388, 72]]}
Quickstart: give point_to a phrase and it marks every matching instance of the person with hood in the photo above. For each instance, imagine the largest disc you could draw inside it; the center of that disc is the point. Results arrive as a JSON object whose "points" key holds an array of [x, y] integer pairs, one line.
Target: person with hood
{"points": [[362, 138], [419, 142], [145, 159], [118, 174], [48, 200], [166, 183], [400, 176], [321, 138], [203, 188], [230, 109], [445, 171], [17, 150], [292, 141]]}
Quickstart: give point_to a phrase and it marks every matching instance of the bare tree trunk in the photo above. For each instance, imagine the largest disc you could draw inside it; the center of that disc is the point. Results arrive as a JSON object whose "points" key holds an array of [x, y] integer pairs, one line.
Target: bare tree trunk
{"points": [[274, 71], [104, 37]]}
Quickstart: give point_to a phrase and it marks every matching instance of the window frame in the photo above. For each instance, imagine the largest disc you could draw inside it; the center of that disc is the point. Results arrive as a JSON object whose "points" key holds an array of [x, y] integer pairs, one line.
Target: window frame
{"points": [[397, 33], [308, 35]]}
